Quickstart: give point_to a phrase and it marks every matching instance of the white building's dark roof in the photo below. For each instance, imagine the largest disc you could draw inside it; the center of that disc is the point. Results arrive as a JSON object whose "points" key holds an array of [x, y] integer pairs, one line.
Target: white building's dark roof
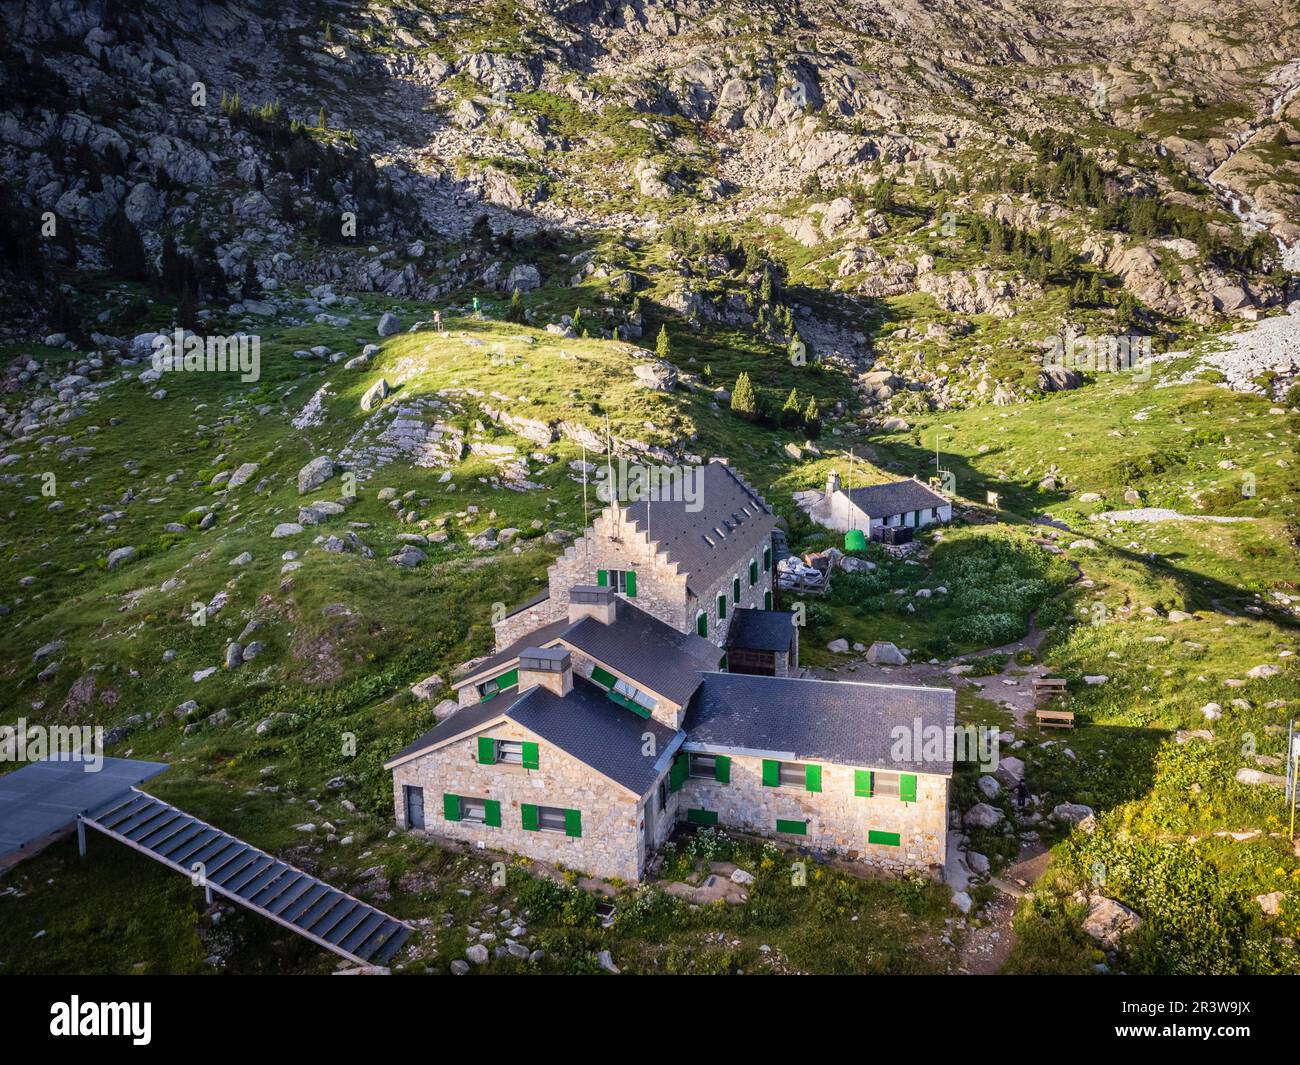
{"points": [[896, 497]]}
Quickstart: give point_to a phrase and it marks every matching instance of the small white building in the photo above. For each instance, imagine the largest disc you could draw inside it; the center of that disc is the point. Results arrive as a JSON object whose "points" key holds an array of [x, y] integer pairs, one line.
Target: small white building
{"points": [[875, 507]]}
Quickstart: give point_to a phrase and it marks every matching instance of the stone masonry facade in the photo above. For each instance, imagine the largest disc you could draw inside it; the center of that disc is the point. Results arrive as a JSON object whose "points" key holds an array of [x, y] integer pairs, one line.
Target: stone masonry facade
{"points": [[836, 818], [610, 844]]}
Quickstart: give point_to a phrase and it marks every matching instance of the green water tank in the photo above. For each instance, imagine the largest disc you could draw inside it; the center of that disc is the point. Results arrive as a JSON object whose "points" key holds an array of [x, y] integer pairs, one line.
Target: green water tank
{"points": [[855, 540]]}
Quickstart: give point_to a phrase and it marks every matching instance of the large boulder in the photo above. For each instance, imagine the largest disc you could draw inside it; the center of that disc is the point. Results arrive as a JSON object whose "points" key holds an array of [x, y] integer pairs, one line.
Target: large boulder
{"points": [[1109, 921], [389, 324], [315, 473], [1073, 813], [524, 277], [982, 815], [657, 376], [426, 689], [376, 394], [884, 653], [120, 555]]}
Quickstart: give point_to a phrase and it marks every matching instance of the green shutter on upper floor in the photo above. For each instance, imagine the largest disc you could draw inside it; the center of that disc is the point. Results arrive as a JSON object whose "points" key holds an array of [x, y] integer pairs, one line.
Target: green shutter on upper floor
{"points": [[509, 679], [528, 816], [603, 677], [813, 777], [753, 574], [907, 787], [530, 755], [862, 783], [722, 606], [487, 750], [735, 589], [702, 624], [767, 559], [677, 774], [602, 578], [451, 807], [573, 823], [722, 769], [492, 813], [630, 584], [771, 773]]}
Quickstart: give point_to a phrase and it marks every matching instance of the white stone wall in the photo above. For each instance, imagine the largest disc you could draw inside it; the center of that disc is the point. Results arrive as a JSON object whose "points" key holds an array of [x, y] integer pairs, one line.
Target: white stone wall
{"points": [[516, 626], [610, 843], [749, 597], [836, 817]]}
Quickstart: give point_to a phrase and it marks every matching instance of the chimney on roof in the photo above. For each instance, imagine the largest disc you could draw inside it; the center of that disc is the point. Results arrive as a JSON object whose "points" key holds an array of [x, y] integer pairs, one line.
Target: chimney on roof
{"points": [[551, 667], [589, 601], [832, 484]]}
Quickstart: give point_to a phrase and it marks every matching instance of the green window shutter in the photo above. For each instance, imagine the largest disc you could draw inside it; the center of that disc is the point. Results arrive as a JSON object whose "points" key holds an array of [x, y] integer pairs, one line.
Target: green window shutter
{"points": [[631, 584], [702, 624], [492, 813], [862, 783], [722, 606], [508, 680], [813, 777], [487, 750], [767, 558], [722, 769], [735, 589], [451, 807], [907, 787], [573, 822], [702, 817], [771, 773], [603, 677], [528, 816], [530, 755], [767, 600], [753, 574], [602, 578], [793, 828], [888, 839], [677, 775]]}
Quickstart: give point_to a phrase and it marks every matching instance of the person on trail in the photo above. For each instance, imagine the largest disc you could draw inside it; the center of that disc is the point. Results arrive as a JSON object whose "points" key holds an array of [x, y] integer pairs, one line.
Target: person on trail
{"points": [[476, 310], [437, 320], [1022, 795]]}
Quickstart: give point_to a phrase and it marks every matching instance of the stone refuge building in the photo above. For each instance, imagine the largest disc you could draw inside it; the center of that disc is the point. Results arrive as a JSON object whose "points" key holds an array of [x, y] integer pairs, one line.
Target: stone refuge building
{"points": [[614, 706], [873, 508]]}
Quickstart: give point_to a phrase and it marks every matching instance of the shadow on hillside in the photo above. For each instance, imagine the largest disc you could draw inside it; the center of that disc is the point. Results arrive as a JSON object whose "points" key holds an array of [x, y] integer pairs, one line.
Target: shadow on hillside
{"points": [[1128, 774], [1200, 591]]}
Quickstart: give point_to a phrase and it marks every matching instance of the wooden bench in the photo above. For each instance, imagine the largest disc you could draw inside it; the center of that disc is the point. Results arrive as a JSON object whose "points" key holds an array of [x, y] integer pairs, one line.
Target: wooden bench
{"points": [[1047, 688], [1055, 718]]}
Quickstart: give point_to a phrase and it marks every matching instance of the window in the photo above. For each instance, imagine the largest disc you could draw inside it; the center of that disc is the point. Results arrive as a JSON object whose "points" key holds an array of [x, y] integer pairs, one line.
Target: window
{"points": [[884, 785], [550, 819], [767, 600], [497, 685], [735, 589], [474, 810], [722, 606], [703, 765], [621, 580], [510, 752], [701, 624], [663, 794], [793, 775], [767, 560], [753, 573], [634, 694]]}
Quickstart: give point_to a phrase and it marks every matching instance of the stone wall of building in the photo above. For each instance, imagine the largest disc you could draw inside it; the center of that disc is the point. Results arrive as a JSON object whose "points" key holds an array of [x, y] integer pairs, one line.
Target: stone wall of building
{"points": [[609, 846], [835, 816], [518, 625], [749, 597]]}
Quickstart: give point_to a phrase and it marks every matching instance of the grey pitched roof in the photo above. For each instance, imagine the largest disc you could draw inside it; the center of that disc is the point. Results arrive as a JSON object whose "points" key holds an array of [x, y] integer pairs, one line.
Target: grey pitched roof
{"points": [[818, 720], [594, 729], [761, 630], [895, 497], [651, 652], [638, 644], [585, 724], [717, 539]]}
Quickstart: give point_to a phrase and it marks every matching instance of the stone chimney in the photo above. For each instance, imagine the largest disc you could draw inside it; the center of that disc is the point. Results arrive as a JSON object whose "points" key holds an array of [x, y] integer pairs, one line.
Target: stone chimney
{"points": [[551, 667], [832, 484], [589, 601]]}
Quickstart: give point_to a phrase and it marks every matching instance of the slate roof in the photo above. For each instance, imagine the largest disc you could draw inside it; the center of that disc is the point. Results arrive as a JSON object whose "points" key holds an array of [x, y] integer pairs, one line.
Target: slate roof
{"points": [[638, 644], [732, 525], [761, 630], [818, 720], [896, 497], [651, 652], [586, 724]]}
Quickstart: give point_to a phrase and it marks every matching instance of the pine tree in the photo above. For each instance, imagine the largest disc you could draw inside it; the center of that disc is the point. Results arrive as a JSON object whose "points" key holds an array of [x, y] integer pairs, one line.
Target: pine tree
{"points": [[812, 417], [516, 312], [577, 322], [790, 413], [744, 401], [663, 346]]}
